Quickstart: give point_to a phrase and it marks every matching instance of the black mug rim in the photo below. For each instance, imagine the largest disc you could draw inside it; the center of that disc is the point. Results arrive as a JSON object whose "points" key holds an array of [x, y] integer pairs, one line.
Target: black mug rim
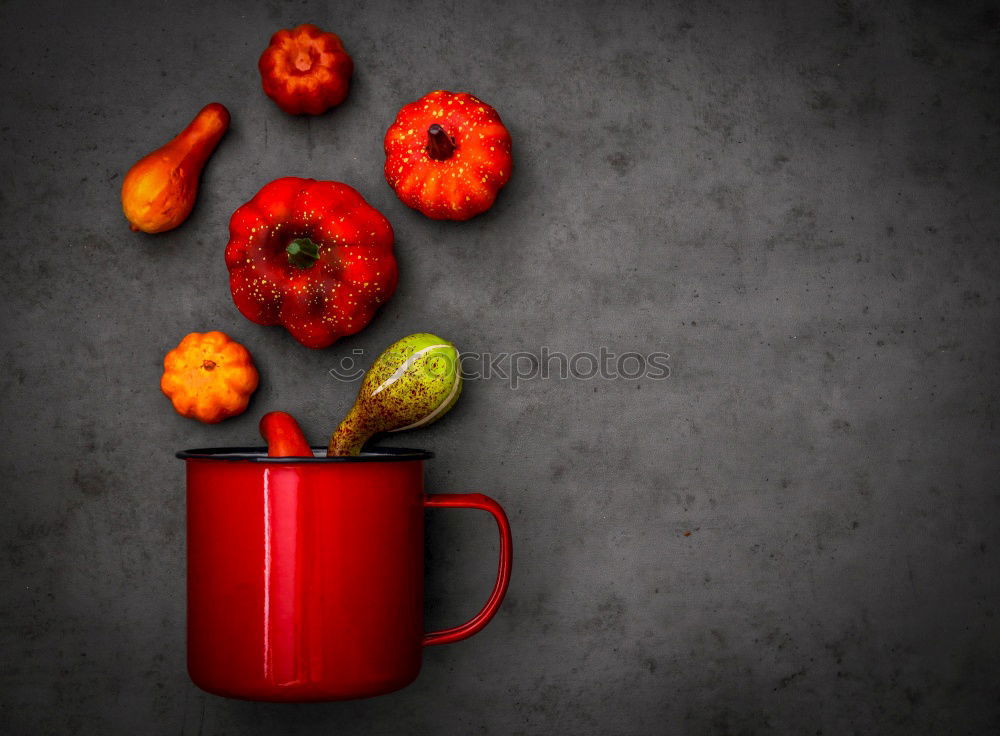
{"points": [[259, 455]]}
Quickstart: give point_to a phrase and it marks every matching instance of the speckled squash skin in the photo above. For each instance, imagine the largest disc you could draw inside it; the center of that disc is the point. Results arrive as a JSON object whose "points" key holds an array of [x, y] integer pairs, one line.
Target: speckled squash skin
{"points": [[448, 155], [209, 377], [335, 292], [413, 383]]}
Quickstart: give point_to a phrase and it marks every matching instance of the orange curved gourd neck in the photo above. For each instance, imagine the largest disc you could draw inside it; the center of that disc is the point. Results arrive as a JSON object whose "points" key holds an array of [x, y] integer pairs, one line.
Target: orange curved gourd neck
{"points": [[196, 142]]}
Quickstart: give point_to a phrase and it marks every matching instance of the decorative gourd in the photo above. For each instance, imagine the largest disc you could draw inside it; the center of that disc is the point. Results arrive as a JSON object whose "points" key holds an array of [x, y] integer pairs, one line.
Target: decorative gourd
{"points": [[305, 70], [414, 382], [283, 435], [159, 191], [312, 256], [209, 377], [447, 155]]}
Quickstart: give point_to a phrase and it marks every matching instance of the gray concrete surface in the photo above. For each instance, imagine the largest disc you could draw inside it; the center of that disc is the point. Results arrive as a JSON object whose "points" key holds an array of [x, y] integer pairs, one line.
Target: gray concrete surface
{"points": [[797, 201]]}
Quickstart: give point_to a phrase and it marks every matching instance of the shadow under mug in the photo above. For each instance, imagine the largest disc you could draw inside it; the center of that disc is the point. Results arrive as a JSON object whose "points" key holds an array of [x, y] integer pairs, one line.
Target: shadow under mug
{"points": [[306, 575]]}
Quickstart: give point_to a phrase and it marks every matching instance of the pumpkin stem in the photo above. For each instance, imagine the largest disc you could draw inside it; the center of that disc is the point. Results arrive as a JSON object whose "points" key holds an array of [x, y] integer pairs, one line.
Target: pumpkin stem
{"points": [[303, 60], [302, 252], [440, 145]]}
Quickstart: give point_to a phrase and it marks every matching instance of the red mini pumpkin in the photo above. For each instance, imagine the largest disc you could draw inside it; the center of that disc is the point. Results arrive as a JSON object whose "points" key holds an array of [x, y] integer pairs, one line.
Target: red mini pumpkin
{"points": [[305, 70], [448, 155]]}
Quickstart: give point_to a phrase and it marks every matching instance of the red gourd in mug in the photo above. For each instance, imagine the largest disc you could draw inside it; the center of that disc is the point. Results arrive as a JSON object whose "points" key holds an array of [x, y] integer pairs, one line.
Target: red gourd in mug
{"points": [[283, 435]]}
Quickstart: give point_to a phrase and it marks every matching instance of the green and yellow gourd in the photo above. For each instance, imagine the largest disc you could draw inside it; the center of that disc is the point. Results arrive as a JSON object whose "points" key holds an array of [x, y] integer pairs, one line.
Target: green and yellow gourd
{"points": [[413, 383]]}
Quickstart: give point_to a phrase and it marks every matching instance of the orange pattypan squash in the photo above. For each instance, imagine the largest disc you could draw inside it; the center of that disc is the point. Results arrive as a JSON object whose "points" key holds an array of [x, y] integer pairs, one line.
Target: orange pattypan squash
{"points": [[209, 377]]}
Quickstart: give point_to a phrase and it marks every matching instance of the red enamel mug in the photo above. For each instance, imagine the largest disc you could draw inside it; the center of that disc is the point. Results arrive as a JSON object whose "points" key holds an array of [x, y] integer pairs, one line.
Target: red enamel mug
{"points": [[306, 575]]}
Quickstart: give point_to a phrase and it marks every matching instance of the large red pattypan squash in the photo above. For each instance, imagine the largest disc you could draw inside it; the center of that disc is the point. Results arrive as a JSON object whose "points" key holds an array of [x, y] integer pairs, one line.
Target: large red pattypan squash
{"points": [[448, 155], [312, 256]]}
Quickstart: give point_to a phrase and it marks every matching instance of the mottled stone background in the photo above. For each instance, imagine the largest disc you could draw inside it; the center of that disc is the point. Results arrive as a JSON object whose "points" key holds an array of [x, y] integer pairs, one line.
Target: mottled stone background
{"points": [[798, 201]]}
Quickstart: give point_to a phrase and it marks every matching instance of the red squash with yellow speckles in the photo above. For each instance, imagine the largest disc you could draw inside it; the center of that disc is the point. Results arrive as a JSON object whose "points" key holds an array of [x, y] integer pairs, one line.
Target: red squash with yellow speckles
{"points": [[312, 256], [448, 155]]}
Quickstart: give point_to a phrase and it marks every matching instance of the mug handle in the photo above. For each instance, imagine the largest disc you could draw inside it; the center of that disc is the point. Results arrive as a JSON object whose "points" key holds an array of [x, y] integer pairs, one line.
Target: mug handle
{"points": [[477, 622]]}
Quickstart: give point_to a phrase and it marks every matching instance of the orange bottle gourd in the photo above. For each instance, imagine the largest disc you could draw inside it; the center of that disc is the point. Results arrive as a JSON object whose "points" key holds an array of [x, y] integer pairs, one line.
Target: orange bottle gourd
{"points": [[209, 377], [159, 191]]}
